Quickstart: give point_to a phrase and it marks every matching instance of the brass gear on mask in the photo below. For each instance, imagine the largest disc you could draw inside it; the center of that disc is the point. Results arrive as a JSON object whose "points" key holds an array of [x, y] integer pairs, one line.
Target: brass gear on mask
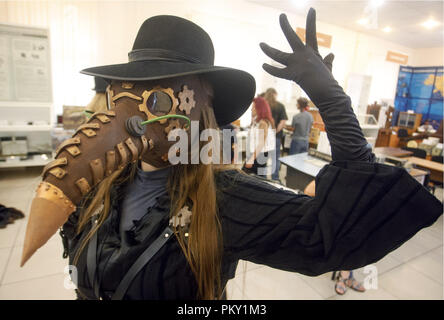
{"points": [[186, 98]]}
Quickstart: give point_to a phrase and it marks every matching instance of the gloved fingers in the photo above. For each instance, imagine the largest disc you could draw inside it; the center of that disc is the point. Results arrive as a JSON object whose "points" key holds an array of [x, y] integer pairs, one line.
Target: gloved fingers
{"points": [[328, 61], [295, 43], [277, 72], [279, 56], [310, 30]]}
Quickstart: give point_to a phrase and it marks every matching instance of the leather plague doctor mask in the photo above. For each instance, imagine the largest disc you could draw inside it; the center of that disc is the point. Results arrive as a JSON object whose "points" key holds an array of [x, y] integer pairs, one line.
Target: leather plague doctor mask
{"points": [[109, 141]]}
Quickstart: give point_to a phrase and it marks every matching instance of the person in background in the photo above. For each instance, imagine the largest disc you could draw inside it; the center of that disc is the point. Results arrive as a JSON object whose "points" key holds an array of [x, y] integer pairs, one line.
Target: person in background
{"points": [[301, 126], [261, 136], [280, 117], [343, 279], [426, 128]]}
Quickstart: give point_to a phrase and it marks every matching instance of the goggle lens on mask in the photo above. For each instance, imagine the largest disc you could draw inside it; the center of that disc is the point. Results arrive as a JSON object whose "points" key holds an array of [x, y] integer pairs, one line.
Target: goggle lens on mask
{"points": [[159, 103]]}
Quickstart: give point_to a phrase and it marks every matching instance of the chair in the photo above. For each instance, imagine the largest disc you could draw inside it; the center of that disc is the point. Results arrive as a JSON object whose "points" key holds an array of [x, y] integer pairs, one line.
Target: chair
{"points": [[403, 136], [402, 133], [429, 185], [419, 153], [437, 159]]}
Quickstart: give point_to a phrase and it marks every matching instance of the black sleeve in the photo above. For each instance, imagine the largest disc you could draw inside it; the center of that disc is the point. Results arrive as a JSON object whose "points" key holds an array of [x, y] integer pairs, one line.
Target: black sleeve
{"points": [[361, 212]]}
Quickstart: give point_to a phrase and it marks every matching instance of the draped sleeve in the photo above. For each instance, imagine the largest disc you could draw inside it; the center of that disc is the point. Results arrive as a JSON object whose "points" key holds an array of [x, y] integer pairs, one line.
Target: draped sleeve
{"points": [[361, 212]]}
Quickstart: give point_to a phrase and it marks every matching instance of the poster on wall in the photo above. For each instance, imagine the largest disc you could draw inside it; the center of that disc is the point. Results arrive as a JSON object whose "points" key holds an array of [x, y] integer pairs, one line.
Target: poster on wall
{"points": [[25, 73]]}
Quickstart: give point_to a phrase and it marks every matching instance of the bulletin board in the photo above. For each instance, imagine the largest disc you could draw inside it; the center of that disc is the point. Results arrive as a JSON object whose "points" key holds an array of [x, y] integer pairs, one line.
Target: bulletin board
{"points": [[420, 89], [25, 68]]}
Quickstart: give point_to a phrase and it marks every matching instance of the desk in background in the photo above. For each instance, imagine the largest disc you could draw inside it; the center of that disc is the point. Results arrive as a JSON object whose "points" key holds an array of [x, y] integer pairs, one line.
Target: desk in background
{"points": [[303, 168], [392, 152], [436, 169]]}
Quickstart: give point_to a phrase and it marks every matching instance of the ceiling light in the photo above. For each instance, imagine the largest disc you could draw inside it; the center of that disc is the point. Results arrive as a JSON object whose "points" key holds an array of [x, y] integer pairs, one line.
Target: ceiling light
{"points": [[376, 3], [300, 3], [430, 24], [387, 29], [362, 21]]}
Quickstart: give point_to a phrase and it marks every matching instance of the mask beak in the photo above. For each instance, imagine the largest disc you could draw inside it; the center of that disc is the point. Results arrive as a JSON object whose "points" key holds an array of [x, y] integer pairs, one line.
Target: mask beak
{"points": [[50, 209]]}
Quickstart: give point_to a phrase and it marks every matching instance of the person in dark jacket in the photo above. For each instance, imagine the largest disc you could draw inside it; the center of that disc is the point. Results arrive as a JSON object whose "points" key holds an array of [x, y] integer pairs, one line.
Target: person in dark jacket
{"points": [[177, 232], [279, 117]]}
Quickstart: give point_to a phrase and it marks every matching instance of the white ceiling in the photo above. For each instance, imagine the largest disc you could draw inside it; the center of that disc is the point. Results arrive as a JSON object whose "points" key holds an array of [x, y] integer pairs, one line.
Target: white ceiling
{"points": [[404, 17]]}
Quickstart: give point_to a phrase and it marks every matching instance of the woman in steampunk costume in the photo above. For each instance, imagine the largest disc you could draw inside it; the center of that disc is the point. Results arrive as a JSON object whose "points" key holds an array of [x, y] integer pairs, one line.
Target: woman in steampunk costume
{"points": [[137, 227]]}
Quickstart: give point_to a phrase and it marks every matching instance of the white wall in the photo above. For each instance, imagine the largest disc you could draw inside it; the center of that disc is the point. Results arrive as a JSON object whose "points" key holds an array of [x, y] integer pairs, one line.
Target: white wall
{"points": [[90, 33], [426, 57]]}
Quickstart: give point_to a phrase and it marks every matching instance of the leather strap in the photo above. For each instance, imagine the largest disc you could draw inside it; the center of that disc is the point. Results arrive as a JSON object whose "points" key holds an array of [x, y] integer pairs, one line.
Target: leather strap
{"points": [[89, 132], [57, 172], [138, 265], [110, 162], [102, 115], [91, 261], [84, 126], [132, 147], [102, 118], [144, 145], [67, 143], [73, 150], [152, 54], [55, 163], [109, 113], [83, 186], [128, 95], [97, 170], [123, 155]]}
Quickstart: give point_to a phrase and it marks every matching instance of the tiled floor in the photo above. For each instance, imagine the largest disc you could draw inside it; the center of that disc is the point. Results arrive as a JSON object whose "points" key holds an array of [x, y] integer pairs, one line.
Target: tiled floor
{"points": [[414, 271]]}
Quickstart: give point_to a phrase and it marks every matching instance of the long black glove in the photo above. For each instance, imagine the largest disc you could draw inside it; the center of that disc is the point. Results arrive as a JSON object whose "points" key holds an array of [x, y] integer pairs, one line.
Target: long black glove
{"points": [[306, 67]]}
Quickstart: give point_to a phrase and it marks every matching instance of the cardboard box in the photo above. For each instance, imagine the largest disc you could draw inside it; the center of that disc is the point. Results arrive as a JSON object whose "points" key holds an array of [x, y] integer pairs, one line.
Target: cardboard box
{"points": [[313, 137]]}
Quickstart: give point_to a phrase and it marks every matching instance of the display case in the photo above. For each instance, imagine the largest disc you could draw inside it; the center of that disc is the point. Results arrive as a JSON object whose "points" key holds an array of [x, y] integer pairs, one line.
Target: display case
{"points": [[26, 102], [369, 126], [410, 121]]}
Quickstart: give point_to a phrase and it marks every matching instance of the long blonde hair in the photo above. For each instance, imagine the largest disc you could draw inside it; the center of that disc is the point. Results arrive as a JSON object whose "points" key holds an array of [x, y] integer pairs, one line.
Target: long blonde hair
{"points": [[98, 103], [270, 96], [187, 182]]}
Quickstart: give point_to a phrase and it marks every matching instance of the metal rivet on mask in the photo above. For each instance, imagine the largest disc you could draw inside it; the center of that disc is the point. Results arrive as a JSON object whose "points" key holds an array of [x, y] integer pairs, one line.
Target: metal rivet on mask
{"points": [[127, 85]]}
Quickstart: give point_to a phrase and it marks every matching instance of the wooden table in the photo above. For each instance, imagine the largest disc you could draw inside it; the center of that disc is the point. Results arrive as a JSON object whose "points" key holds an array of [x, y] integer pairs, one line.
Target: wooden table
{"points": [[393, 152], [419, 175], [436, 169], [303, 168]]}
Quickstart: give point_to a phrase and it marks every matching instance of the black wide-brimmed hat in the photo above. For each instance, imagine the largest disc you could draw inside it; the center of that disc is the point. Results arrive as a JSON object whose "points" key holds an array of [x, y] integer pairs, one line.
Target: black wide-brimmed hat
{"points": [[169, 46], [100, 85]]}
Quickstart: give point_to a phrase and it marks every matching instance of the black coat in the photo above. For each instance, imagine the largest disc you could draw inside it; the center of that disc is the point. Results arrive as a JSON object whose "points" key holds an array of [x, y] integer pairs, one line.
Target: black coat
{"points": [[361, 212]]}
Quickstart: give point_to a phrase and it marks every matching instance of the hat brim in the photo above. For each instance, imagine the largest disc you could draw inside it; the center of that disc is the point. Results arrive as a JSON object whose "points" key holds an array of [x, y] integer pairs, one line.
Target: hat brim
{"points": [[233, 89]]}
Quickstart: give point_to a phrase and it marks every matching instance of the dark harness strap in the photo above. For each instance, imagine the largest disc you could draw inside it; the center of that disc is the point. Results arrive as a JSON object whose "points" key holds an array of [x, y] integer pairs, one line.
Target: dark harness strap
{"points": [[91, 264], [138, 265]]}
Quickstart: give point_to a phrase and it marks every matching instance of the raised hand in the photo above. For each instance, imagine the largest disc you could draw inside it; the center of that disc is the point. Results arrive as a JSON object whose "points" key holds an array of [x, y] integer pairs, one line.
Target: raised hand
{"points": [[304, 65]]}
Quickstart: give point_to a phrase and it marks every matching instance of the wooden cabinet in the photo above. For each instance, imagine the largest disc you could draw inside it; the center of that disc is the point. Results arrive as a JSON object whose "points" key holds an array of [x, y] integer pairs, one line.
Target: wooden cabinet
{"points": [[383, 139], [317, 119], [409, 121]]}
